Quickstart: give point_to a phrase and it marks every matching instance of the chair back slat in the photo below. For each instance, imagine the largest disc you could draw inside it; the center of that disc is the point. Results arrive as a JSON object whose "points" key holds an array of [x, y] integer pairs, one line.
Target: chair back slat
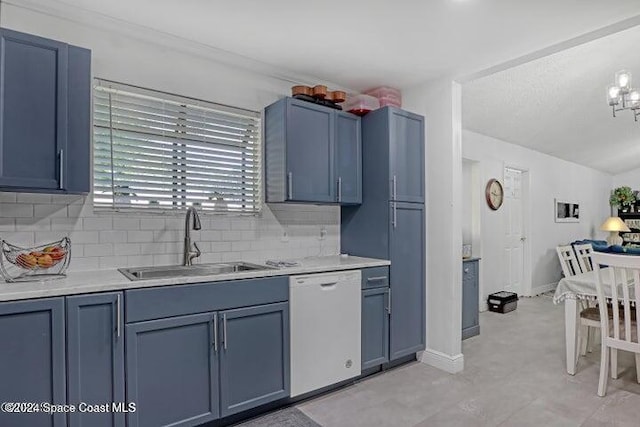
{"points": [[583, 253], [626, 306], [618, 282], [614, 306], [568, 261]]}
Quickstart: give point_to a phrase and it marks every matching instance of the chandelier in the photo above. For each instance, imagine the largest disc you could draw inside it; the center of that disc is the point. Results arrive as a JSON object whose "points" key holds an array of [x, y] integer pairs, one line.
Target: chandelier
{"points": [[621, 96]]}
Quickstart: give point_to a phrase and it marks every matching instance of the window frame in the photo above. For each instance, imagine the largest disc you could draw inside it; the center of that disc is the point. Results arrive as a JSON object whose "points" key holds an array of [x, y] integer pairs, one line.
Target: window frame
{"points": [[246, 146]]}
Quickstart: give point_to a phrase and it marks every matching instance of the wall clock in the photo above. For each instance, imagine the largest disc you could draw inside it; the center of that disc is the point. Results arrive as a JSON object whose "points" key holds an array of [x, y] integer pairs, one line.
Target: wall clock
{"points": [[494, 194]]}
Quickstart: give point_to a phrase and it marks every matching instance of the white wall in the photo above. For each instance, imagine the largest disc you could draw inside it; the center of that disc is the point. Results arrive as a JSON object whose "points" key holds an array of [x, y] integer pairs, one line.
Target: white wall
{"points": [[467, 203], [155, 61], [549, 178], [630, 178], [439, 101]]}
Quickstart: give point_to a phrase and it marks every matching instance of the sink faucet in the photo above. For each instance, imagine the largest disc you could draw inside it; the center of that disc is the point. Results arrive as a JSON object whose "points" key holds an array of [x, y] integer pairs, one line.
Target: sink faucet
{"points": [[189, 255]]}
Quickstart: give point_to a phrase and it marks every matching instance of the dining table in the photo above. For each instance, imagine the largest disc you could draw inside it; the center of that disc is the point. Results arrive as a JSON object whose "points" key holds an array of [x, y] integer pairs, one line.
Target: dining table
{"points": [[571, 291]]}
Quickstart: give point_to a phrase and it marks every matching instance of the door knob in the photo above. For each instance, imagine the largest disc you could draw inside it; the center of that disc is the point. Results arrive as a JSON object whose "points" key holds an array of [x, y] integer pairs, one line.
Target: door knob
{"points": [[522, 239]]}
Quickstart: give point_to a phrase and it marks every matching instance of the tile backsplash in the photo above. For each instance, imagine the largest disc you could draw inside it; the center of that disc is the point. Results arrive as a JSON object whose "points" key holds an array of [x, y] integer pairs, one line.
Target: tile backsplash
{"points": [[102, 240]]}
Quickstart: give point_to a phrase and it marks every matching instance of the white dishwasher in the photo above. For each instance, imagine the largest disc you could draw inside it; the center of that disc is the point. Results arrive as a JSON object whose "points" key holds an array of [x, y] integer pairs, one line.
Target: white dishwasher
{"points": [[325, 329]]}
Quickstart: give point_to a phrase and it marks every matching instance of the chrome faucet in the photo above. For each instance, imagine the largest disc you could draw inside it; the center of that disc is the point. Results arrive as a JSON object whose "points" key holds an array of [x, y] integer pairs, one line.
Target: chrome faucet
{"points": [[189, 255]]}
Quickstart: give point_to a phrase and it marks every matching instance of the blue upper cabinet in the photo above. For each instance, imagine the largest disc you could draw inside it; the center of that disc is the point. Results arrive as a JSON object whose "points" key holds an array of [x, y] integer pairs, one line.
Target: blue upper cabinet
{"points": [[406, 167], [44, 115], [304, 148], [395, 143], [310, 152], [348, 158]]}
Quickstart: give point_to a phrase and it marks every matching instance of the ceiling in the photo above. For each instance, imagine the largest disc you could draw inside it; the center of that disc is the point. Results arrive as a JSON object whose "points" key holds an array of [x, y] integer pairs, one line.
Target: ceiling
{"points": [[360, 44], [557, 104]]}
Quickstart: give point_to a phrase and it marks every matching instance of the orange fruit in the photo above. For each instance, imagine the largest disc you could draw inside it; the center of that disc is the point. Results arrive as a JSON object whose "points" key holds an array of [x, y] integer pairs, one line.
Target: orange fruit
{"points": [[45, 261]]}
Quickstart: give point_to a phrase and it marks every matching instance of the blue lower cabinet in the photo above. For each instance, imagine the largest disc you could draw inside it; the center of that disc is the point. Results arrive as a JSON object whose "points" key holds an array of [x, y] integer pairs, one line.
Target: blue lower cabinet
{"points": [[95, 358], [254, 358], [407, 248], [32, 359], [172, 371], [470, 299], [375, 327]]}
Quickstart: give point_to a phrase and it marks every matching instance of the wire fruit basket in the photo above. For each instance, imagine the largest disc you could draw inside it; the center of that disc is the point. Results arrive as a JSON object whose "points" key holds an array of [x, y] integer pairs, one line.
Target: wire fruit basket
{"points": [[44, 262]]}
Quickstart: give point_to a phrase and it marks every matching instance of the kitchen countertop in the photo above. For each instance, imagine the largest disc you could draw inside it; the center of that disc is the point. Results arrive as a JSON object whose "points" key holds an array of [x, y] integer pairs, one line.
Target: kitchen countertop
{"points": [[83, 282]]}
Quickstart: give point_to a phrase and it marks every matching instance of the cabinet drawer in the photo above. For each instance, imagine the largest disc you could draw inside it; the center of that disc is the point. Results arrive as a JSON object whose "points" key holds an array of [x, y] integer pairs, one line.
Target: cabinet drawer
{"points": [[469, 269], [375, 277], [168, 301]]}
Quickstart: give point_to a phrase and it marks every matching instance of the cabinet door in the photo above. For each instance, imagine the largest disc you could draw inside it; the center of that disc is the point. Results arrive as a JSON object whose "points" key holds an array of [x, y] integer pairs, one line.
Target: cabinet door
{"points": [[172, 371], [254, 359], [77, 157], [95, 357], [348, 158], [407, 159], [310, 152], [407, 241], [375, 327], [470, 324], [33, 110], [32, 360]]}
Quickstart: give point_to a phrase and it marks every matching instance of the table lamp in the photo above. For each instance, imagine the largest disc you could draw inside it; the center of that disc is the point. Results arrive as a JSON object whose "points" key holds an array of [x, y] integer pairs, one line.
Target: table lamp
{"points": [[614, 225]]}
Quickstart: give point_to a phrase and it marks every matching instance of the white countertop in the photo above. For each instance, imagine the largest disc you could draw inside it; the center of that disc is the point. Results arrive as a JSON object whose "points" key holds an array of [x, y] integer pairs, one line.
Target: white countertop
{"points": [[83, 282]]}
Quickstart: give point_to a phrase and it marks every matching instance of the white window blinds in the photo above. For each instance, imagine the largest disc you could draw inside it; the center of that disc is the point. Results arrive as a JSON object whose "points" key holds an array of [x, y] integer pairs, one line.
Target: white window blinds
{"points": [[156, 151]]}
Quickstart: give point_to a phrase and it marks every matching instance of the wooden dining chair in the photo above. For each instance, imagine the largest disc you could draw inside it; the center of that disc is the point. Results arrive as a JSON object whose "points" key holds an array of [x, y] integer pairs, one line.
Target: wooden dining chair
{"points": [[589, 316], [568, 261], [619, 283], [583, 254]]}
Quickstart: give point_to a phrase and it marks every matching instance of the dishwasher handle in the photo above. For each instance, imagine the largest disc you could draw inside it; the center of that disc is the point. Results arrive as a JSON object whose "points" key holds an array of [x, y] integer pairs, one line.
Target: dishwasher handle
{"points": [[328, 286]]}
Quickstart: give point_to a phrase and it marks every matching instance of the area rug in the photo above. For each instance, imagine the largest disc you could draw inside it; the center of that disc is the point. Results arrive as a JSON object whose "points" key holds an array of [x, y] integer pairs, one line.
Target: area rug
{"points": [[288, 417]]}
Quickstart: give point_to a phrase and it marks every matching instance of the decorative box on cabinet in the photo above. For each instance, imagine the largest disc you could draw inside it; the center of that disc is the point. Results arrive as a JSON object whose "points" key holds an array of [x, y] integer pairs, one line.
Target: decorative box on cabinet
{"points": [[470, 298], [312, 154], [32, 360], [390, 223], [45, 92]]}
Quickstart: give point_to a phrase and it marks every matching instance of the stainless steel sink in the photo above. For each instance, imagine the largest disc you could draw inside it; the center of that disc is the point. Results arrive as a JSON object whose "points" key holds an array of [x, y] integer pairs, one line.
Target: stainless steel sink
{"points": [[168, 271]]}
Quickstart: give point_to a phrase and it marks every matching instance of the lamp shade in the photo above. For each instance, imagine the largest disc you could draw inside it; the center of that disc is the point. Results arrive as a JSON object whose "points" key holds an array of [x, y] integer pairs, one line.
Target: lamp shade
{"points": [[614, 223], [623, 81]]}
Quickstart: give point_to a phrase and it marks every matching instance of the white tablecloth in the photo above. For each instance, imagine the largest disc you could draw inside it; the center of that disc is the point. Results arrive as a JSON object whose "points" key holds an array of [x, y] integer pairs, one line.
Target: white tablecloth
{"points": [[583, 286], [580, 286]]}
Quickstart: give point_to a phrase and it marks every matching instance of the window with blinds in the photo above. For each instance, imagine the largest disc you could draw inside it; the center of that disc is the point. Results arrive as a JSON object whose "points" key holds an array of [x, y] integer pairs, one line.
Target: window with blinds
{"points": [[155, 152]]}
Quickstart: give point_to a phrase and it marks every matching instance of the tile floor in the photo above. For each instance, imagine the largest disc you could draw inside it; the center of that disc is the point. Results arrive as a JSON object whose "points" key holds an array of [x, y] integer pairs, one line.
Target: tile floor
{"points": [[514, 376]]}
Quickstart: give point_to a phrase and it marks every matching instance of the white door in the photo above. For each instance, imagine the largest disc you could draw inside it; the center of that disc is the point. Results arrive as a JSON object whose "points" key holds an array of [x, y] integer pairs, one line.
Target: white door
{"points": [[514, 231]]}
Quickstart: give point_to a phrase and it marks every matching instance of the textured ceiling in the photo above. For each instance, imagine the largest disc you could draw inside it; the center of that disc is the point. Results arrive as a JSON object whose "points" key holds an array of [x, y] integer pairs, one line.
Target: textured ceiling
{"points": [[557, 104], [362, 43]]}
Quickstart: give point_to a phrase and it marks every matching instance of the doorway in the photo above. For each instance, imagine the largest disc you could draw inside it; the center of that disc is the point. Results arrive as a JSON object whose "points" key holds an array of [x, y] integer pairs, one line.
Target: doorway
{"points": [[516, 274]]}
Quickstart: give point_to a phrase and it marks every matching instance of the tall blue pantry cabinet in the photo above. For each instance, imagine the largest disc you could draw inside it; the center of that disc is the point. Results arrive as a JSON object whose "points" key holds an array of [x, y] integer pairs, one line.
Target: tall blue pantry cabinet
{"points": [[390, 223]]}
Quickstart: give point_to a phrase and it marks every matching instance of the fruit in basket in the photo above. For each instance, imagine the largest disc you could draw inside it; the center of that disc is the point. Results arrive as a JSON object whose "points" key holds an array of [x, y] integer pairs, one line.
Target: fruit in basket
{"points": [[26, 261], [45, 261], [57, 253]]}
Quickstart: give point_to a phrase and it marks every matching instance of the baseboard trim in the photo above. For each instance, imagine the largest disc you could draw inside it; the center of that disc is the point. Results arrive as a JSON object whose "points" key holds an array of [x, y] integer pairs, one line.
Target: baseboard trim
{"points": [[543, 288], [451, 364]]}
